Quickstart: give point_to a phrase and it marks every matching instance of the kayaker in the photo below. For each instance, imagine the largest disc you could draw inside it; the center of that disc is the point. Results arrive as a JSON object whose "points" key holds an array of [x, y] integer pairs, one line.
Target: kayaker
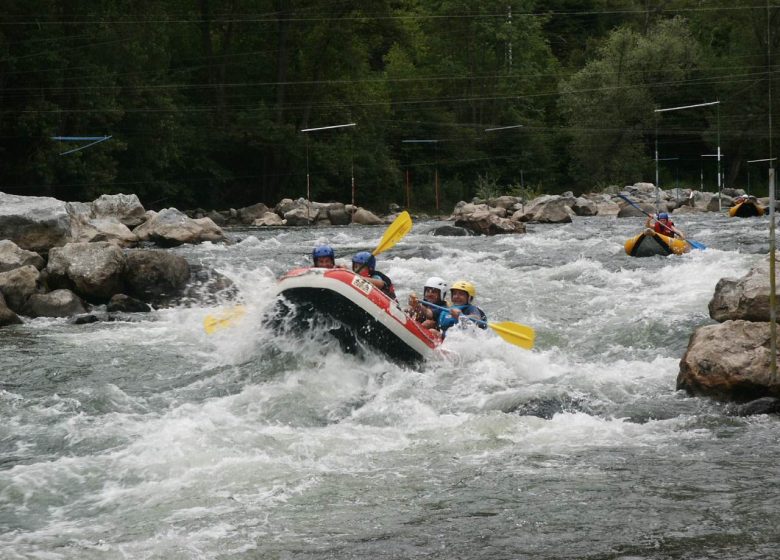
{"points": [[462, 295], [434, 291], [664, 225], [323, 256], [364, 264]]}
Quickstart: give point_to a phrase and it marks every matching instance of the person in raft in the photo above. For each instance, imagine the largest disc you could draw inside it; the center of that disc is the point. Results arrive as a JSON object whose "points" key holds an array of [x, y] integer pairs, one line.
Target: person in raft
{"points": [[323, 256], [364, 264], [663, 224], [434, 291], [462, 295]]}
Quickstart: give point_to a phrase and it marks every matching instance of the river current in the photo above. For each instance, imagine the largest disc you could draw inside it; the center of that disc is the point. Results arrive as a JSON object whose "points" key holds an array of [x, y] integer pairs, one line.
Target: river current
{"points": [[148, 438]]}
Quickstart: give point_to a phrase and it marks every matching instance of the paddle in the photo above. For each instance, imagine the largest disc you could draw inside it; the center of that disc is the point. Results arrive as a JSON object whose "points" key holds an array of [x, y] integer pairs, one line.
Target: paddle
{"points": [[692, 243], [394, 233], [514, 333], [212, 323]]}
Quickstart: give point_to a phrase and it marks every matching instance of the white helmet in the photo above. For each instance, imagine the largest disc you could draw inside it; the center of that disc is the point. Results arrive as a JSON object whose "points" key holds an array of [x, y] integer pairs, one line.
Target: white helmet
{"points": [[437, 284]]}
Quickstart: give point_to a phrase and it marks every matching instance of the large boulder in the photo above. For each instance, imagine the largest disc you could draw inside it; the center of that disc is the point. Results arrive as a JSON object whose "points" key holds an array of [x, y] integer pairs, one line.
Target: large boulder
{"points": [[12, 256], [105, 229], [729, 361], [18, 285], [249, 214], [7, 317], [745, 298], [95, 271], [301, 216], [171, 228], [269, 219], [547, 209], [58, 303], [364, 217], [34, 223], [156, 276], [488, 223], [125, 208]]}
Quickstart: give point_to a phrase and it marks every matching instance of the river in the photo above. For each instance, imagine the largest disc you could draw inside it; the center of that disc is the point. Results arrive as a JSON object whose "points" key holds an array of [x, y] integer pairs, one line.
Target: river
{"points": [[147, 438]]}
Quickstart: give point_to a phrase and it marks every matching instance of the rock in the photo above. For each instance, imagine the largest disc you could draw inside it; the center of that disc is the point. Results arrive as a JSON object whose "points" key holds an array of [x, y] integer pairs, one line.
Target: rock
{"points": [[547, 209], [105, 229], [339, 216], [729, 361], [301, 216], [364, 217], [34, 223], [250, 214], [59, 303], [451, 231], [124, 208], [171, 228], [18, 285], [765, 405], [7, 317], [95, 271], [124, 303], [746, 298], [584, 207], [269, 219], [12, 256], [156, 276], [486, 223]]}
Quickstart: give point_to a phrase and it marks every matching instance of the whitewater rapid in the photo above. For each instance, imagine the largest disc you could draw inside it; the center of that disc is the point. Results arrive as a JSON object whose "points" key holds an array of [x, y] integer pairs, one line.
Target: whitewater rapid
{"points": [[148, 438]]}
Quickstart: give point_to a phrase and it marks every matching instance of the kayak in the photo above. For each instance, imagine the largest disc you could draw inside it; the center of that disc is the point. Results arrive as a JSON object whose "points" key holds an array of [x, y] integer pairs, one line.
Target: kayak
{"points": [[746, 209], [650, 243], [361, 312]]}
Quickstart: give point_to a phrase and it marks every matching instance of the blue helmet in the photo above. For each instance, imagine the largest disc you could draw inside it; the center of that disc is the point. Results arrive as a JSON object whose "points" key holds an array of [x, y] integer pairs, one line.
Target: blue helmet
{"points": [[366, 258], [663, 216], [323, 251]]}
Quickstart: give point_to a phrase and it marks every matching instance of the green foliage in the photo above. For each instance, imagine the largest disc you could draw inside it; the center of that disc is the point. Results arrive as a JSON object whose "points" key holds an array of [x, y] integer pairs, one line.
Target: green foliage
{"points": [[205, 101]]}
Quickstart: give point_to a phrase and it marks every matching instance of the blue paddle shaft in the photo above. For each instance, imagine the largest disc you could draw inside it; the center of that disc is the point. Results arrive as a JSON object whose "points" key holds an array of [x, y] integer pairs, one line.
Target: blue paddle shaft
{"points": [[429, 304]]}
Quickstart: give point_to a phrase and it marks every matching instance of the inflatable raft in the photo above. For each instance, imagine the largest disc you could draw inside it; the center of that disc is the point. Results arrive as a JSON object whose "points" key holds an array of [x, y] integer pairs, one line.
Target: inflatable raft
{"points": [[650, 243], [746, 209], [360, 311]]}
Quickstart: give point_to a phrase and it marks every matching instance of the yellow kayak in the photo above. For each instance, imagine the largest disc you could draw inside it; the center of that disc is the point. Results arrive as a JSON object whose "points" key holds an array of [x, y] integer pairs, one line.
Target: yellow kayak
{"points": [[650, 243], [746, 209]]}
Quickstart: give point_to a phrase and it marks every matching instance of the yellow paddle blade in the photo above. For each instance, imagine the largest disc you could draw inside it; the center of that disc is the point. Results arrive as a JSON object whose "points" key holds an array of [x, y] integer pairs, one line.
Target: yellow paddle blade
{"points": [[213, 323], [515, 333], [395, 232]]}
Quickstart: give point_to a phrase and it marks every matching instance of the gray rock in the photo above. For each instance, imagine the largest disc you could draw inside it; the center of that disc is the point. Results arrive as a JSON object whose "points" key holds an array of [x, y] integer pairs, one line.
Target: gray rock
{"points": [[125, 208], [729, 361], [34, 223], [745, 298], [59, 303], [171, 228], [12, 256], [126, 304], [7, 317], [18, 285], [156, 276], [94, 271]]}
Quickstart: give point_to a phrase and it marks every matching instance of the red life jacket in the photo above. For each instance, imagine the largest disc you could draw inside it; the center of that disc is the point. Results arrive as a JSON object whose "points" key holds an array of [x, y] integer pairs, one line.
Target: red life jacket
{"points": [[664, 227]]}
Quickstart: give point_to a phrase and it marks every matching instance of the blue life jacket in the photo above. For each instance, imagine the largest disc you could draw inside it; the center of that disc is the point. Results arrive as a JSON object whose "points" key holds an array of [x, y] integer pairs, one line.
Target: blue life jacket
{"points": [[388, 288], [446, 320]]}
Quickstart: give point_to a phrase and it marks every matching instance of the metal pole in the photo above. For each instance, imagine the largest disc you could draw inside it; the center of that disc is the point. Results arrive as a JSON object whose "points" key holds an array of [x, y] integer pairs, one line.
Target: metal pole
{"points": [[657, 193], [308, 183], [720, 184], [772, 281]]}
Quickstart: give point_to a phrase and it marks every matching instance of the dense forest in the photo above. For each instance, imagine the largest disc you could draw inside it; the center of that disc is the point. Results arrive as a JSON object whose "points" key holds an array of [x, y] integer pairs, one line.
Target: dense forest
{"points": [[226, 103]]}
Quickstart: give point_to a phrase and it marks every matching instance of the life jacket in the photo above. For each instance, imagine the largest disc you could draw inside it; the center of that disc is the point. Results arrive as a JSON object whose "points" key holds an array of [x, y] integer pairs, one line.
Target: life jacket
{"points": [[666, 229], [446, 320], [388, 289]]}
